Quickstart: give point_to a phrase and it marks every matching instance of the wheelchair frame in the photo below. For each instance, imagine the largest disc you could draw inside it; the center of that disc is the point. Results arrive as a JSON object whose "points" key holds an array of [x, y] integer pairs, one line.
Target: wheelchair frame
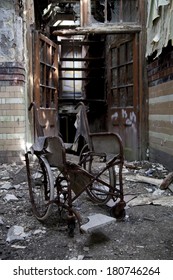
{"points": [[53, 179]]}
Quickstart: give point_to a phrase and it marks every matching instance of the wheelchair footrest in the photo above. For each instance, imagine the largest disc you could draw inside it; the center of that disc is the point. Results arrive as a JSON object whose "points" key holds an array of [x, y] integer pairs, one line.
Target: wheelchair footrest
{"points": [[96, 221]]}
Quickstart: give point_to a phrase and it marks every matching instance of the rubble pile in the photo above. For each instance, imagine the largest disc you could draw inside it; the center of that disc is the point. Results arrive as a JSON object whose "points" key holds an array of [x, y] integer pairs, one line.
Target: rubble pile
{"points": [[23, 237]]}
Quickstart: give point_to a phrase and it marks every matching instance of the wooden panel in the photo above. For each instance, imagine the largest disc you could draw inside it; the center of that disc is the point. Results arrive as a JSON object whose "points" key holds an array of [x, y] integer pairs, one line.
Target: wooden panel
{"points": [[46, 82], [123, 92]]}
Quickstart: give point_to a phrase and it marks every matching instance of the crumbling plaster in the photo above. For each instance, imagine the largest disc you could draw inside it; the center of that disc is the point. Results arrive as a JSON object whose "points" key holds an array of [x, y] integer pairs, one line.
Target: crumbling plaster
{"points": [[16, 20], [11, 33]]}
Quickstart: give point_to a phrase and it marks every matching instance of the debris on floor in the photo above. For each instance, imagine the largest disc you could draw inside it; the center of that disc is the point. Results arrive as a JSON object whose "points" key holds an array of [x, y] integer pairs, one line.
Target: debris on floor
{"points": [[145, 233], [157, 184], [95, 221], [16, 233]]}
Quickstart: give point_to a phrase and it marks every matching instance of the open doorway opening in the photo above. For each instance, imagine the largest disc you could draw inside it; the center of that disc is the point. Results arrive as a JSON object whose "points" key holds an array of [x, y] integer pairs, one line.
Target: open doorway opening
{"points": [[98, 62]]}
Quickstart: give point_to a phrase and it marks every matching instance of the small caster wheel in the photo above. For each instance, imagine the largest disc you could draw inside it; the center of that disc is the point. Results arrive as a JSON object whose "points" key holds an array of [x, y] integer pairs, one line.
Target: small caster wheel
{"points": [[118, 211], [71, 225]]}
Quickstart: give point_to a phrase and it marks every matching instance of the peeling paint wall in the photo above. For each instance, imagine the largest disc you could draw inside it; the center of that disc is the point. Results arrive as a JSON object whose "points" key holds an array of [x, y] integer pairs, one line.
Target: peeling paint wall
{"points": [[11, 33], [13, 77], [12, 83]]}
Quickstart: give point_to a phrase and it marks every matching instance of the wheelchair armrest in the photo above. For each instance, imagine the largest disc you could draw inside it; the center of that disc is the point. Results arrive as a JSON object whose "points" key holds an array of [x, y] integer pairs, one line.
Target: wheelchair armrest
{"points": [[117, 159]]}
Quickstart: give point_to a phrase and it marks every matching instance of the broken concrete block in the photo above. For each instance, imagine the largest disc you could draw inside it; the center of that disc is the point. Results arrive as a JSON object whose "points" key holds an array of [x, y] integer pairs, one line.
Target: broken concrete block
{"points": [[10, 197], [7, 186], [16, 233], [95, 221]]}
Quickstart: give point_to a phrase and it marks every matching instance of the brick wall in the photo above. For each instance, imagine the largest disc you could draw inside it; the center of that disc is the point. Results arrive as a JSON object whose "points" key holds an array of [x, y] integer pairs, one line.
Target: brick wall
{"points": [[12, 112], [160, 78]]}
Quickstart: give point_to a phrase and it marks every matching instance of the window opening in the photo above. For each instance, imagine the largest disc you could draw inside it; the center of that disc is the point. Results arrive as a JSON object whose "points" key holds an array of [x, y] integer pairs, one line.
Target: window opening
{"points": [[62, 13], [81, 68], [122, 75], [46, 69], [114, 11], [71, 68]]}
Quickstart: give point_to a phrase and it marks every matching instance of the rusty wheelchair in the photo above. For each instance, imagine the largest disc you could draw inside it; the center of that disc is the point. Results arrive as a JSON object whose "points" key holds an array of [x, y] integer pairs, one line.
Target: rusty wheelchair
{"points": [[53, 179]]}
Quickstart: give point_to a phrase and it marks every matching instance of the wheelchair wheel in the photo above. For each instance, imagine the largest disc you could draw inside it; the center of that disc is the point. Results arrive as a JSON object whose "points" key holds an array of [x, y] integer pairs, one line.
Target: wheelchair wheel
{"points": [[83, 156], [99, 192], [41, 187]]}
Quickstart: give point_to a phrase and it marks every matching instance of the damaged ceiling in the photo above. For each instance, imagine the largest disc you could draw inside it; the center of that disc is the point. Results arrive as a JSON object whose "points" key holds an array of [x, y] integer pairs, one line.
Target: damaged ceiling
{"points": [[53, 11], [56, 12], [65, 14]]}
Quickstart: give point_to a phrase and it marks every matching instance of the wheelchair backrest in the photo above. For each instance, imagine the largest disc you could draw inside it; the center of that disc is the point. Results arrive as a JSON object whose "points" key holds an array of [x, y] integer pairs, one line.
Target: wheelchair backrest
{"points": [[107, 142], [55, 151]]}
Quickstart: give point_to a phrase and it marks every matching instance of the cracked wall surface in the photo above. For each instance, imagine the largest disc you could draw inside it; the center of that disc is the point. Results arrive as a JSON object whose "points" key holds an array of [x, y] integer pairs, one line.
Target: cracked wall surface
{"points": [[11, 33], [12, 82]]}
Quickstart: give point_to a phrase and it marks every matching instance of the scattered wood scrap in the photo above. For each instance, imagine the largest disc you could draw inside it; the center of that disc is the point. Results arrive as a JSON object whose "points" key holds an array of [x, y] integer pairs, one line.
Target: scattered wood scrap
{"points": [[144, 179], [163, 184], [167, 181]]}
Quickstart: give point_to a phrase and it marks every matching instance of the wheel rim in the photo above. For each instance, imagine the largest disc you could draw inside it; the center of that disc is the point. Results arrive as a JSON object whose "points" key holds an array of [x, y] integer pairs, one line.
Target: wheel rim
{"points": [[40, 186]]}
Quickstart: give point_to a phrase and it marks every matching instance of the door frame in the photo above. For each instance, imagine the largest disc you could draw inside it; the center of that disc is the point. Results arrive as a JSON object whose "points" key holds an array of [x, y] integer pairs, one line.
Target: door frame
{"points": [[119, 117], [45, 90]]}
